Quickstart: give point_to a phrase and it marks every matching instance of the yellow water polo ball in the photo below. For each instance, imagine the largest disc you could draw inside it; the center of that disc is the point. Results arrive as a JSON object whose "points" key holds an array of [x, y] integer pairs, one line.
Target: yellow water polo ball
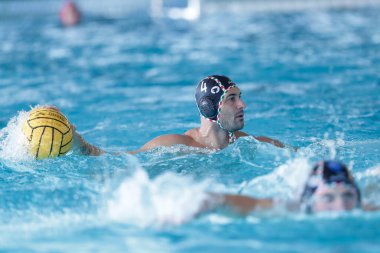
{"points": [[48, 132]]}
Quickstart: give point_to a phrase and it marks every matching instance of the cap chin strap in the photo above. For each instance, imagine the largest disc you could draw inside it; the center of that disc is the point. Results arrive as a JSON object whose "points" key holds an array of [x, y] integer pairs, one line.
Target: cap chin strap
{"points": [[231, 135]]}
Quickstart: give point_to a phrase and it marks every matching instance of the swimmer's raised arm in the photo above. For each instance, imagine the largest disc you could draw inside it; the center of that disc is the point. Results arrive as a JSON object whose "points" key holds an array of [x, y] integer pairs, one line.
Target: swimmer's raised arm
{"points": [[167, 141], [238, 204], [85, 147], [243, 205], [370, 207]]}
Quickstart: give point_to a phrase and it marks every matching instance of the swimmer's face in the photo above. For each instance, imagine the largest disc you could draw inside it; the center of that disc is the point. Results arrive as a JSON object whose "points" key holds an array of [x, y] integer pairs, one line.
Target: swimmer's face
{"points": [[334, 197], [232, 111]]}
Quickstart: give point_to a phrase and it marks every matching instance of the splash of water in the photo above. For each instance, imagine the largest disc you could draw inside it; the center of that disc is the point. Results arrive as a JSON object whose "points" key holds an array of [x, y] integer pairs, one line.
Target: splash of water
{"points": [[13, 142], [370, 179], [168, 199], [285, 182]]}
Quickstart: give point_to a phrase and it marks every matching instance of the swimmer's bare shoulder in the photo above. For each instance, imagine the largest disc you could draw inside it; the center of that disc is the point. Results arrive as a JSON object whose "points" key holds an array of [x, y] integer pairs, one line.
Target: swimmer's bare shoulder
{"points": [[168, 140]]}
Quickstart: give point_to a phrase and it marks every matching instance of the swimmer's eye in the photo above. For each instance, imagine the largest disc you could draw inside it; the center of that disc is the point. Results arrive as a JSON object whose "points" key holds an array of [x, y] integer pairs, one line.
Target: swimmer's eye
{"points": [[327, 198], [348, 196], [231, 97]]}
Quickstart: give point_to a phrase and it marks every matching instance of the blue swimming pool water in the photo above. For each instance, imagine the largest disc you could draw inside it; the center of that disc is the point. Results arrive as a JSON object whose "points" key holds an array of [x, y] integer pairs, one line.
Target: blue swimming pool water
{"points": [[309, 79]]}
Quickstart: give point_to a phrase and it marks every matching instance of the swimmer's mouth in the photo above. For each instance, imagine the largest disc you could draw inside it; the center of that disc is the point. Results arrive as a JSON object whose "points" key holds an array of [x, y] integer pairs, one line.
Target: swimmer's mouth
{"points": [[240, 116]]}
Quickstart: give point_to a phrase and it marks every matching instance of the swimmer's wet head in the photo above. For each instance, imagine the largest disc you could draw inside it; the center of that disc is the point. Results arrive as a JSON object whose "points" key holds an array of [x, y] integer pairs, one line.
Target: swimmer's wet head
{"points": [[330, 187], [218, 100], [69, 14]]}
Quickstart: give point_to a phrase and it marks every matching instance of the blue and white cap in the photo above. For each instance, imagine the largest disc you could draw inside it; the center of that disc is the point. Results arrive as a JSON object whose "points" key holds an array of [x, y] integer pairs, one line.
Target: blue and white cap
{"points": [[327, 172]]}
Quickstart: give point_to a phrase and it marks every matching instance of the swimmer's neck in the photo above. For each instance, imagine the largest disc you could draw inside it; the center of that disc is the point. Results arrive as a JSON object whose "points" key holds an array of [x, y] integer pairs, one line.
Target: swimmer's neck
{"points": [[211, 135]]}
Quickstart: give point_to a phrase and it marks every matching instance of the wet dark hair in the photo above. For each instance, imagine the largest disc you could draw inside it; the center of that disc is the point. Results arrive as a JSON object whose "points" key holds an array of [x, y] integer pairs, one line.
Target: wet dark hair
{"points": [[327, 172]]}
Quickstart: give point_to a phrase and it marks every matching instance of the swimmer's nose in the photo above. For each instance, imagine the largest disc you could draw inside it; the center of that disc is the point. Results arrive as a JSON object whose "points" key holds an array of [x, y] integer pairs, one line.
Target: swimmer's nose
{"points": [[341, 205], [241, 104], [338, 205]]}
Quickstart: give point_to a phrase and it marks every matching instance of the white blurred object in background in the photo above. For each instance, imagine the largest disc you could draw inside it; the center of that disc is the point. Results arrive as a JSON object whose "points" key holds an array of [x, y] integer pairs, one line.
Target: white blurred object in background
{"points": [[176, 9]]}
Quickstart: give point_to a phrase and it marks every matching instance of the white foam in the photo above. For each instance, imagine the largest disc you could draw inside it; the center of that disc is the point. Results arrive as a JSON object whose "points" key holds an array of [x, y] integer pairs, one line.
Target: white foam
{"points": [[285, 182], [369, 173], [219, 219], [370, 179], [58, 53], [13, 142], [168, 199], [326, 148]]}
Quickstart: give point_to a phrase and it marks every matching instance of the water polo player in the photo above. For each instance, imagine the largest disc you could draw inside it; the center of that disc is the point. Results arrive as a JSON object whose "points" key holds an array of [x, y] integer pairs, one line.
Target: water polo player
{"points": [[222, 116], [329, 187]]}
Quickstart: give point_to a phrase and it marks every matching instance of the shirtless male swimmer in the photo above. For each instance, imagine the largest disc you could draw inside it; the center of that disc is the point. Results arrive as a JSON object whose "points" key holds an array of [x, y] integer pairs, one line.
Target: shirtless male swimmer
{"points": [[222, 117]]}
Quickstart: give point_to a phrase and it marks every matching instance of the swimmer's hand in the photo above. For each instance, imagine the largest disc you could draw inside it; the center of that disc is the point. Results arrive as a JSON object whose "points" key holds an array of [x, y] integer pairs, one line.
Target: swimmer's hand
{"points": [[85, 147]]}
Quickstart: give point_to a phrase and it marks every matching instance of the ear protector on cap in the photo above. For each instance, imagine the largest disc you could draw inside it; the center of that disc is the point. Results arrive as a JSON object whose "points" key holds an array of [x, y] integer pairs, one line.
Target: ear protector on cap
{"points": [[207, 107]]}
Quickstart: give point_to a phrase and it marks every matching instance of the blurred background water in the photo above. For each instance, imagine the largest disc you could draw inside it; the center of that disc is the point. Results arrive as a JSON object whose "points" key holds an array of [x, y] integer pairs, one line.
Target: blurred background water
{"points": [[310, 77]]}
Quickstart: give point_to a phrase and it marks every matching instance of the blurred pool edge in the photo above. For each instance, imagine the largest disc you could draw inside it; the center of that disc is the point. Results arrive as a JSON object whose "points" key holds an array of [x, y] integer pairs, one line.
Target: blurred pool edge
{"points": [[123, 9]]}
